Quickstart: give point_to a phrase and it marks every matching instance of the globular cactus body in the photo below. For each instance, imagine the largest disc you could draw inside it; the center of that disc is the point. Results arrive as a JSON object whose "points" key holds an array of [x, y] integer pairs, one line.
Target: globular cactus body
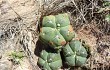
{"points": [[56, 30], [49, 21], [67, 32], [47, 33], [50, 60], [62, 20], [75, 54]]}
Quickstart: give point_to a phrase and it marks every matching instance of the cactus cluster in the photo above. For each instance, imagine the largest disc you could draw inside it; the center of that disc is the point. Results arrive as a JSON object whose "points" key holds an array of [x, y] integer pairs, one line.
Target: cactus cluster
{"points": [[57, 32]]}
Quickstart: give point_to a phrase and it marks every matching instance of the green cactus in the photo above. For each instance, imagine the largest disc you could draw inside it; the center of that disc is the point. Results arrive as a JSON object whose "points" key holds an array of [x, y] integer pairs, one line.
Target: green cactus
{"points": [[47, 33], [67, 32], [62, 20], [56, 30], [52, 36], [50, 60], [75, 54], [49, 21], [57, 41]]}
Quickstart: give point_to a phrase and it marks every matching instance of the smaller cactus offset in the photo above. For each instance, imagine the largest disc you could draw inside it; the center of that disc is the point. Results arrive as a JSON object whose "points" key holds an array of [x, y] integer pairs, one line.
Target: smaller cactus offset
{"points": [[75, 54], [50, 60], [56, 30]]}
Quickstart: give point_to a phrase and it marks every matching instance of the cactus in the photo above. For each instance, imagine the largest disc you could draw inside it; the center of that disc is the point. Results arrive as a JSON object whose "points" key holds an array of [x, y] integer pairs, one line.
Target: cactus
{"points": [[62, 20], [67, 32], [49, 21], [75, 54], [50, 60], [56, 30]]}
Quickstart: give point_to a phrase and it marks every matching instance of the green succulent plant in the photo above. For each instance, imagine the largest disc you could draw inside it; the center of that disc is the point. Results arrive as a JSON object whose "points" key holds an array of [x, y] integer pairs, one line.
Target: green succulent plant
{"points": [[16, 56], [56, 30], [75, 54], [50, 60]]}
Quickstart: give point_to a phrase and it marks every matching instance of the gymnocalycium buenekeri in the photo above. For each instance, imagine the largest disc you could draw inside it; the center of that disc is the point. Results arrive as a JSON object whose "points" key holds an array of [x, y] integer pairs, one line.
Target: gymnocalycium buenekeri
{"points": [[50, 60], [75, 54], [56, 30]]}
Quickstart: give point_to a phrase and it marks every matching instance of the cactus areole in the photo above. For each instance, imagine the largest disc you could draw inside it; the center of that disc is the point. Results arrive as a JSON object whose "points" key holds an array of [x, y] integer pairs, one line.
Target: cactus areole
{"points": [[56, 30], [75, 54], [50, 61]]}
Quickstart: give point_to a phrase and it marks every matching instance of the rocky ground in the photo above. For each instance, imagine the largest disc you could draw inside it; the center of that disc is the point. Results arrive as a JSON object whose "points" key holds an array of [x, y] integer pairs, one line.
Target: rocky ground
{"points": [[19, 20]]}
